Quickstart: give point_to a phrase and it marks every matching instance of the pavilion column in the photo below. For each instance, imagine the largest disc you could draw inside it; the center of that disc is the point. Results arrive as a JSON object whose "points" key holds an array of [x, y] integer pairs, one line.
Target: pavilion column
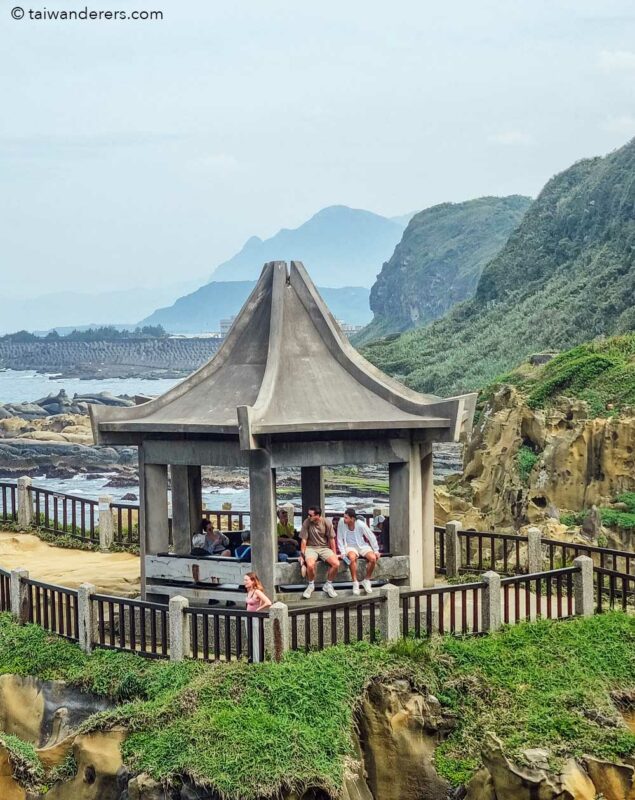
{"points": [[155, 503], [262, 507], [186, 505], [312, 488], [412, 513]]}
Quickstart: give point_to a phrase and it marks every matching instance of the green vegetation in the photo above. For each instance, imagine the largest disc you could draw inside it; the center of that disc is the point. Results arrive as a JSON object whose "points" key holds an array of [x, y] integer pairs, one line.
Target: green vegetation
{"points": [[105, 333], [526, 460], [439, 261], [566, 275], [250, 729]]}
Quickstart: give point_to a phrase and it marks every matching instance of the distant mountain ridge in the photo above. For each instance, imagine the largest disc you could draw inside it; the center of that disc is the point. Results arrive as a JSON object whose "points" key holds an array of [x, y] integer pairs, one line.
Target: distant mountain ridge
{"points": [[340, 246], [439, 261], [565, 276], [202, 310]]}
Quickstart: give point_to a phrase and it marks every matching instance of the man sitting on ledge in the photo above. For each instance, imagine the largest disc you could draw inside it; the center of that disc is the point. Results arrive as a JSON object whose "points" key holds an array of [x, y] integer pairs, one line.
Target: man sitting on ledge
{"points": [[354, 540], [317, 542]]}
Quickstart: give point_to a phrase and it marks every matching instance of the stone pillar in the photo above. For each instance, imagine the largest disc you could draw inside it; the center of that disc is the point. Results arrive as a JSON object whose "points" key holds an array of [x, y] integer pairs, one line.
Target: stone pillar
{"points": [[491, 617], [583, 587], [186, 505], [277, 639], [155, 506], [312, 488], [412, 513], [25, 505], [18, 592], [262, 507], [534, 550], [452, 549], [390, 613], [106, 523], [86, 622], [179, 623]]}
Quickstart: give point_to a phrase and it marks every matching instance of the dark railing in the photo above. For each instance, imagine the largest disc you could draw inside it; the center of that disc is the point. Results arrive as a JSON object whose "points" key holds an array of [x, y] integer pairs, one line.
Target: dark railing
{"points": [[443, 609], [65, 514], [132, 625], [485, 550], [227, 520], [8, 501], [53, 607], [439, 548], [338, 623], [604, 557], [614, 589], [5, 590], [126, 523], [225, 634], [542, 594]]}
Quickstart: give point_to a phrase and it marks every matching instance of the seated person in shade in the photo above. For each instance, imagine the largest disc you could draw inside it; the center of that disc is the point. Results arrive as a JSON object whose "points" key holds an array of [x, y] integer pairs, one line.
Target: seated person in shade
{"points": [[243, 551], [214, 543], [381, 529], [354, 540], [286, 534]]}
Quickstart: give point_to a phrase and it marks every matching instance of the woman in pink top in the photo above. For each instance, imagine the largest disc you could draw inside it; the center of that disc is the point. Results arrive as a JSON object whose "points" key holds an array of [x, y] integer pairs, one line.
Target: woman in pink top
{"points": [[257, 600]]}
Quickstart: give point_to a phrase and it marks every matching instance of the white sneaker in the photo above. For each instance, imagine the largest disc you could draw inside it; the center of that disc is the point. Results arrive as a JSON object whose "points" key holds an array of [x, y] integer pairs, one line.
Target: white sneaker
{"points": [[355, 587], [367, 586], [308, 591], [328, 589]]}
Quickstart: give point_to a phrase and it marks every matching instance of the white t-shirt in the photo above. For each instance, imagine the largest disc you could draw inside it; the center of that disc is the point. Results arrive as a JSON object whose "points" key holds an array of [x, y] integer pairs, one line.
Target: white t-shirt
{"points": [[360, 537]]}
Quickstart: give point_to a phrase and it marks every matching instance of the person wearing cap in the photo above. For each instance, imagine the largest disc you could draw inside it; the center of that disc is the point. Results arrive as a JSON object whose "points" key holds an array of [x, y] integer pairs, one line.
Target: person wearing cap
{"points": [[356, 540]]}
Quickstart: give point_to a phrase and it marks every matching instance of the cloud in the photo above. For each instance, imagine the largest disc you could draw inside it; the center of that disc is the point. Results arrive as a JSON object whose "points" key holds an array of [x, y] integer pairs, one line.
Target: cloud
{"points": [[624, 124], [612, 61], [511, 138]]}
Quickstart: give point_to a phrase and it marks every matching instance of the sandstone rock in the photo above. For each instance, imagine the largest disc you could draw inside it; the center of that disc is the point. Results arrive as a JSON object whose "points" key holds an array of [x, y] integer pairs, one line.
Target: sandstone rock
{"points": [[98, 758], [592, 525], [9, 787], [398, 726], [612, 781]]}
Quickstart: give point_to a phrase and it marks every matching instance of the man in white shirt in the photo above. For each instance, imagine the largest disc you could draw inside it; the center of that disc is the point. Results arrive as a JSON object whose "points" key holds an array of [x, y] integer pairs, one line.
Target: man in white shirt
{"points": [[355, 539]]}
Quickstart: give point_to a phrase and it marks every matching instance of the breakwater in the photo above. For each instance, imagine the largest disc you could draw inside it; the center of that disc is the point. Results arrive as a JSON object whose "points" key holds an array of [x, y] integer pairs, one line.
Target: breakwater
{"points": [[116, 358]]}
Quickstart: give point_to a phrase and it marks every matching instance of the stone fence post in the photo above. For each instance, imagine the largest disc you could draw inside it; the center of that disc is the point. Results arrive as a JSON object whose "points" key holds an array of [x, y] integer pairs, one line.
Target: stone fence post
{"points": [[452, 549], [583, 587], [491, 603], [106, 524], [25, 504], [179, 623], [18, 592], [390, 613], [534, 550], [86, 621], [277, 638]]}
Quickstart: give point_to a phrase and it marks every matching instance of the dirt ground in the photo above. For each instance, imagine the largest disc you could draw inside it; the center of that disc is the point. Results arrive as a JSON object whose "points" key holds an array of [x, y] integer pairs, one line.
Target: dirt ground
{"points": [[112, 573]]}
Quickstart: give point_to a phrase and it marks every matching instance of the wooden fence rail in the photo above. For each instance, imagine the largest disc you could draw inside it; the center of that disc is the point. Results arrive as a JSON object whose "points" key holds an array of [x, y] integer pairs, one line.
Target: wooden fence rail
{"points": [[54, 608], [226, 634], [65, 514], [8, 501], [543, 594], [443, 609]]}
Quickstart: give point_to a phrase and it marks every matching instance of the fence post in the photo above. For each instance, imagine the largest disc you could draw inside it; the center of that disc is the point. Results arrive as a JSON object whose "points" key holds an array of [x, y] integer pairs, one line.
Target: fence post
{"points": [[452, 549], [278, 640], [19, 593], [85, 616], [390, 613], [25, 505], [583, 586], [491, 604], [179, 628], [534, 550], [106, 526]]}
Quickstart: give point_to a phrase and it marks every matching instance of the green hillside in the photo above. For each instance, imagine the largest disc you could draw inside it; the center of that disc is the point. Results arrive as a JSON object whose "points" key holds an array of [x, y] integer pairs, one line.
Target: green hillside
{"points": [[566, 275], [439, 261]]}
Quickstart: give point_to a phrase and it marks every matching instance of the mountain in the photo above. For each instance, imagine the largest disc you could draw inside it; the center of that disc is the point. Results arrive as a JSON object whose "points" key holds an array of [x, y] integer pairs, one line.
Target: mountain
{"points": [[340, 246], [439, 261], [565, 276], [202, 310]]}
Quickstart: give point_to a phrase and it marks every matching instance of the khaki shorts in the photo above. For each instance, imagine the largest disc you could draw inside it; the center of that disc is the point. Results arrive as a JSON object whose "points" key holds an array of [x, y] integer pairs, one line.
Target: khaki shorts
{"points": [[321, 553]]}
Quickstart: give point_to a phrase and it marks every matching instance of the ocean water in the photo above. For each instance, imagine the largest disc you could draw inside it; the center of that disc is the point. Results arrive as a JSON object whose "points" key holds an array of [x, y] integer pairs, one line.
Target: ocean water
{"points": [[26, 386]]}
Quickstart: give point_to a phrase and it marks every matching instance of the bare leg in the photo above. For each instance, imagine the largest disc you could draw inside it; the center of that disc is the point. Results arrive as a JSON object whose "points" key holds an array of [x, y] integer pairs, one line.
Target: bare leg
{"points": [[310, 569], [353, 566], [371, 561], [334, 565]]}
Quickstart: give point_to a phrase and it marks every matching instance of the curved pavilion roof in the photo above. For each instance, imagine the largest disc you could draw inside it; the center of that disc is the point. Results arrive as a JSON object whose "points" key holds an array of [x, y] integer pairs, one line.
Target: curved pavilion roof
{"points": [[285, 368]]}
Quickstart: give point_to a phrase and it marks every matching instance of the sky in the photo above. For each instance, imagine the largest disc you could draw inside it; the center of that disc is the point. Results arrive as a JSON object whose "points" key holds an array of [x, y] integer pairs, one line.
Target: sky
{"points": [[144, 153]]}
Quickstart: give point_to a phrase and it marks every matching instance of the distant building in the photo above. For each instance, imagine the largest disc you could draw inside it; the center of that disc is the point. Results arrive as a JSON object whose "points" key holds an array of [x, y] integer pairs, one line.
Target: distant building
{"points": [[225, 325], [348, 329]]}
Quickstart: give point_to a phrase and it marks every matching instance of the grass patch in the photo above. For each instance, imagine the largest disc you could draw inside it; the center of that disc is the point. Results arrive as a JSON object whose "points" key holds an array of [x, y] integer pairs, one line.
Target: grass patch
{"points": [[249, 730], [526, 460]]}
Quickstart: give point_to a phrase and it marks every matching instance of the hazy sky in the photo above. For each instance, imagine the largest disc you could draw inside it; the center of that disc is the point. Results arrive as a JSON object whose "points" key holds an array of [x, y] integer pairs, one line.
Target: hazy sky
{"points": [[147, 152]]}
